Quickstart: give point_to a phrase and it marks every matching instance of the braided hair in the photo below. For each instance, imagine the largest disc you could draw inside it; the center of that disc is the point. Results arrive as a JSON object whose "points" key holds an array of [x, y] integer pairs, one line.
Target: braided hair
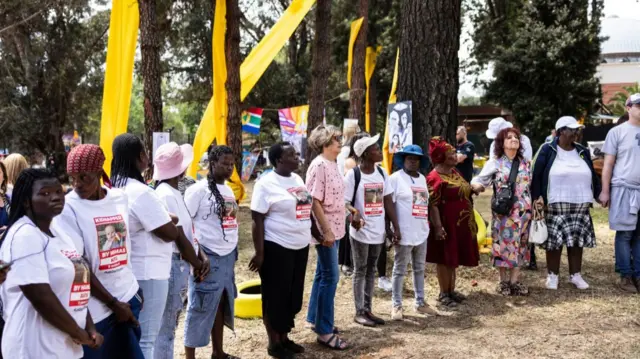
{"points": [[23, 192], [126, 152], [220, 208]]}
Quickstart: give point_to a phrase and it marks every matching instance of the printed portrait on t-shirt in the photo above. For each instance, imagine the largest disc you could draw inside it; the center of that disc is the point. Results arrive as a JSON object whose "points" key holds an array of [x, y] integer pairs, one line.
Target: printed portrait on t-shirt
{"points": [[231, 212], [420, 206], [303, 202], [81, 287], [373, 199], [112, 237]]}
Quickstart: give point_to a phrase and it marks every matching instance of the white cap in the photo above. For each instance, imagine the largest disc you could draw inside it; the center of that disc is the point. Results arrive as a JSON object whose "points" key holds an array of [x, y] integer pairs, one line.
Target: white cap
{"points": [[633, 99], [567, 121], [496, 125], [362, 144]]}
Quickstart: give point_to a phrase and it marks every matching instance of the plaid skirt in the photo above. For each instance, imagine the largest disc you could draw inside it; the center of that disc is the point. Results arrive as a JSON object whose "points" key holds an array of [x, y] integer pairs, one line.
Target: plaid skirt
{"points": [[569, 224]]}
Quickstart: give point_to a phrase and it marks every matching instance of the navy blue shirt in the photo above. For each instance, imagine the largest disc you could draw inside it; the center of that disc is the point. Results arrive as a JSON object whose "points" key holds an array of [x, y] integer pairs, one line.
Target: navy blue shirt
{"points": [[466, 167]]}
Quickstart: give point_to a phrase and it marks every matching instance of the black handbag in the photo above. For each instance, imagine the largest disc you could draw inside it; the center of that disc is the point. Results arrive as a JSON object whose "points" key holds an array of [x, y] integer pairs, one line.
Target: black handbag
{"points": [[504, 197]]}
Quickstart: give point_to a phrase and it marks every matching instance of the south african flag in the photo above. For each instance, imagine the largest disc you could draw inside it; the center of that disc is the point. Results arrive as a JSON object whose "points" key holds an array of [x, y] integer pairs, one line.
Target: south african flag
{"points": [[251, 119]]}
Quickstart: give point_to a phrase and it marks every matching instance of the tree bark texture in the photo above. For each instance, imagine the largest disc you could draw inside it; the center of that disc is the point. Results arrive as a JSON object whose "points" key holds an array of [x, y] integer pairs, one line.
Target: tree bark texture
{"points": [[357, 93], [373, 106], [232, 54], [320, 67], [150, 44], [428, 73]]}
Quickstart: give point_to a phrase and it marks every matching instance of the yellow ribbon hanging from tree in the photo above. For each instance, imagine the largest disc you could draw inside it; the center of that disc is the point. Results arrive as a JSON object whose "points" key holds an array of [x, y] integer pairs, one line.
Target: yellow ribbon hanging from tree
{"points": [[250, 72], [355, 29], [118, 78], [386, 155], [369, 68]]}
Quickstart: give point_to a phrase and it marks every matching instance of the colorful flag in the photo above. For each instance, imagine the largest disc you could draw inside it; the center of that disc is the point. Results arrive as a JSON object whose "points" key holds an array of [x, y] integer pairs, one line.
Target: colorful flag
{"points": [[293, 124], [251, 119]]}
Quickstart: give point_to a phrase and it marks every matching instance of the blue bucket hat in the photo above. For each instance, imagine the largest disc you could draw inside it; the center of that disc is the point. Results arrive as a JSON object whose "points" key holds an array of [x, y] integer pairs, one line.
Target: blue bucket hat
{"points": [[414, 150]]}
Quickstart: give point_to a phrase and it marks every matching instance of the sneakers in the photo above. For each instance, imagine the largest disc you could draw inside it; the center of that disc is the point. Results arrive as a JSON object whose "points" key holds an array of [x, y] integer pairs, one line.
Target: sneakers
{"points": [[626, 284], [385, 284], [552, 281], [425, 309], [576, 279], [504, 288], [519, 289], [396, 313]]}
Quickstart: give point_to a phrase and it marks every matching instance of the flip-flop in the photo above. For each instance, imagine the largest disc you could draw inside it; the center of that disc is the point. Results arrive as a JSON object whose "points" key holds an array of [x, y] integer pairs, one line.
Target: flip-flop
{"points": [[337, 344]]}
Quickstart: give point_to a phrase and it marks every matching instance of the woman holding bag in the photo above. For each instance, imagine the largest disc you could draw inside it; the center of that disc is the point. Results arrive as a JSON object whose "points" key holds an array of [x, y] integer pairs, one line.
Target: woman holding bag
{"points": [[510, 229], [565, 181]]}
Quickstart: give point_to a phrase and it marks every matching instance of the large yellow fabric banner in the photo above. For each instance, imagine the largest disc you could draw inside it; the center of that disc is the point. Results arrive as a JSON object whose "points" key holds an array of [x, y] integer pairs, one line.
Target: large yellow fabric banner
{"points": [[369, 68], [214, 122], [116, 97], [386, 155], [355, 29]]}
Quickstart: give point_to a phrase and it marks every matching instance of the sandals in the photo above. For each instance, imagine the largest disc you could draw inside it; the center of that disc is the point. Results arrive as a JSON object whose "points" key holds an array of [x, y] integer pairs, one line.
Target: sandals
{"points": [[337, 343], [458, 297], [226, 356], [520, 289], [445, 300], [335, 329]]}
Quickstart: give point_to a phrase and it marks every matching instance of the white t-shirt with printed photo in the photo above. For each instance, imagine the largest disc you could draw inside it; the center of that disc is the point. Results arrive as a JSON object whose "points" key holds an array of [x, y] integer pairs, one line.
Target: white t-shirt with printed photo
{"points": [[40, 259], [370, 203], [100, 233], [411, 199], [209, 231], [174, 202], [286, 204], [150, 255]]}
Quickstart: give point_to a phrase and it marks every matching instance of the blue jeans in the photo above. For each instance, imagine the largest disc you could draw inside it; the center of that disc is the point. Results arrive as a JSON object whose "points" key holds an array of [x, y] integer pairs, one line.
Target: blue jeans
{"points": [[121, 340], [155, 299], [627, 249], [323, 292], [175, 300]]}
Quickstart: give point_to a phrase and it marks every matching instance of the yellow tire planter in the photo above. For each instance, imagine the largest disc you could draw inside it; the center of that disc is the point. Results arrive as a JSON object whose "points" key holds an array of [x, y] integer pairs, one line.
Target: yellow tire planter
{"points": [[484, 241], [249, 302]]}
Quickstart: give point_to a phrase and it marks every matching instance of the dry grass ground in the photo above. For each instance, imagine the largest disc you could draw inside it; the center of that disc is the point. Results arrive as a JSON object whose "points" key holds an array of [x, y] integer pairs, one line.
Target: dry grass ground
{"points": [[601, 322]]}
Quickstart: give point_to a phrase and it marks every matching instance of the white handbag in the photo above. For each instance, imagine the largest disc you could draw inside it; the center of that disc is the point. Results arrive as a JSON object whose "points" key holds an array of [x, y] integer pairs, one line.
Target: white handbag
{"points": [[538, 231]]}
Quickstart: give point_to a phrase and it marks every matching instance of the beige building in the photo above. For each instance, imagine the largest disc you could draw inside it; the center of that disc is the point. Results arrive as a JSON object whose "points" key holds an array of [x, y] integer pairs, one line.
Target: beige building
{"points": [[620, 65]]}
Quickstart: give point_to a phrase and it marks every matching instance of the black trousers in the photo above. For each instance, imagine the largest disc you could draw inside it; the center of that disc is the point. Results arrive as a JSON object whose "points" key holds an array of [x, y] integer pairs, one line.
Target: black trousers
{"points": [[282, 275]]}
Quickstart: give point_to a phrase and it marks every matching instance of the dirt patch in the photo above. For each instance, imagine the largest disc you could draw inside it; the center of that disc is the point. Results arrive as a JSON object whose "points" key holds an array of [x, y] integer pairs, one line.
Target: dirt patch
{"points": [[601, 322]]}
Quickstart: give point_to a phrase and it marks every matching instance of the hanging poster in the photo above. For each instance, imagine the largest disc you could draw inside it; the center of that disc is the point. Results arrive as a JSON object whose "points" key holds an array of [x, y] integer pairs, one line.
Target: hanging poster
{"points": [[350, 127], [249, 160], [293, 124], [400, 126], [251, 119], [159, 139]]}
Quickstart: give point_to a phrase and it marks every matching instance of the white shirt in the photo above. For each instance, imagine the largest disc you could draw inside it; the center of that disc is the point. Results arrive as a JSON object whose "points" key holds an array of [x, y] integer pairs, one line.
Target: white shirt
{"points": [[150, 255], [100, 234], [527, 150], [569, 179], [209, 231], [411, 198], [173, 201], [286, 204], [40, 259], [370, 203], [342, 158]]}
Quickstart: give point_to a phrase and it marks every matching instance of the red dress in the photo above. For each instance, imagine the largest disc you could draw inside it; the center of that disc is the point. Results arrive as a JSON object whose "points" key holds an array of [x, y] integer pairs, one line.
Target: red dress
{"points": [[451, 194]]}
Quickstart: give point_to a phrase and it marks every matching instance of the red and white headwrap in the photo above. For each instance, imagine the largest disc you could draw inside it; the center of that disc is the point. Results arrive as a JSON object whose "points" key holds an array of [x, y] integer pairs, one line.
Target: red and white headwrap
{"points": [[87, 158]]}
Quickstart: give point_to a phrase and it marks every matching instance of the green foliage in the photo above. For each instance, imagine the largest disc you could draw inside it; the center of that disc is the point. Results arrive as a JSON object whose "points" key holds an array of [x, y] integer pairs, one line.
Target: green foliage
{"points": [[617, 104], [51, 75], [545, 65]]}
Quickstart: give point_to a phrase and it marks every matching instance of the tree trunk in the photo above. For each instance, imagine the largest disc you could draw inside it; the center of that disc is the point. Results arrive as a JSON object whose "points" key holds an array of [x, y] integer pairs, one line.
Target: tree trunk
{"points": [[428, 74], [320, 69], [357, 93], [150, 49], [232, 54], [373, 108]]}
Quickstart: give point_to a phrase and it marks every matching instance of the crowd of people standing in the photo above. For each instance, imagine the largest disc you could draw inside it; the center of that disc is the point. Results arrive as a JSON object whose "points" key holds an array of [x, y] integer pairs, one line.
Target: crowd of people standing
{"points": [[100, 272]]}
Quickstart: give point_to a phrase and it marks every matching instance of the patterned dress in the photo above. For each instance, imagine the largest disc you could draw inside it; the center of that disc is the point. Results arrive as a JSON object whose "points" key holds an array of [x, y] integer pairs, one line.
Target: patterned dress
{"points": [[451, 194], [510, 233]]}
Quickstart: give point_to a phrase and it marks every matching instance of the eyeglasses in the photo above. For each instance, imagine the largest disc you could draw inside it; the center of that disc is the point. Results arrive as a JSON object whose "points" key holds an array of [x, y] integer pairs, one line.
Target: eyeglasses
{"points": [[338, 138]]}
